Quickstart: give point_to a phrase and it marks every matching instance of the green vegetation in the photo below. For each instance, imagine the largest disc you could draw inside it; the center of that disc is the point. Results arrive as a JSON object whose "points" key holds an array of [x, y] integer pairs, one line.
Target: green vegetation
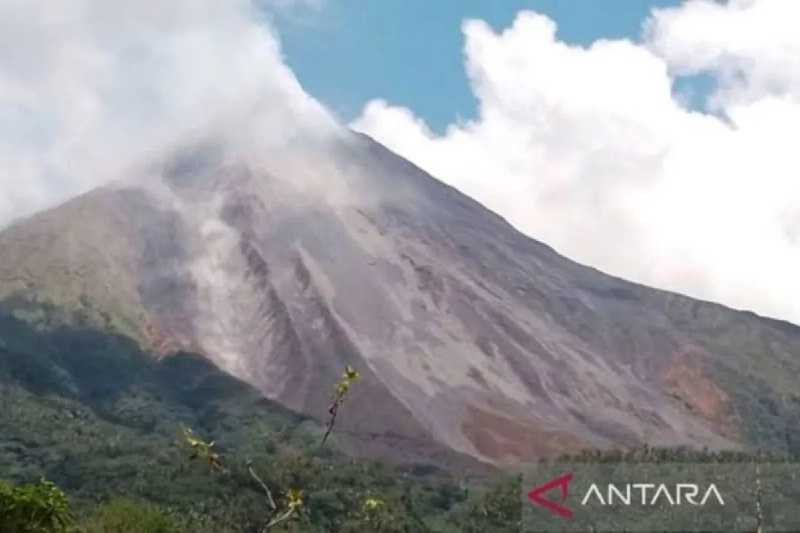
{"points": [[129, 516], [104, 421], [350, 497], [35, 508]]}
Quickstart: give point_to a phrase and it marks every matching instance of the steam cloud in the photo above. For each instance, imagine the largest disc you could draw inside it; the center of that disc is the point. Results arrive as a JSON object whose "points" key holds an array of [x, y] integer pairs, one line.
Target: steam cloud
{"points": [[592, 150], [90, 89]]}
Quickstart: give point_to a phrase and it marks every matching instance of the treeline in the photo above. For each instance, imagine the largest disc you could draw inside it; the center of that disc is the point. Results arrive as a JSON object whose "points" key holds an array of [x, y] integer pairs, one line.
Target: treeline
{"points": [[347, 498], [337, 495]]}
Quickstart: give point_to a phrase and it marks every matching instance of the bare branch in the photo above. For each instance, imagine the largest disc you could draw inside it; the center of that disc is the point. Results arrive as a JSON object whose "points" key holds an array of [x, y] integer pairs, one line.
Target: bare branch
{"points": [[264, 486], [759, 512], [285, 516]]}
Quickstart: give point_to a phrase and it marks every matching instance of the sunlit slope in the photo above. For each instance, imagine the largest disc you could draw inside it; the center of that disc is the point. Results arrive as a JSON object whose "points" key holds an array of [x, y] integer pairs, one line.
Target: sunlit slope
{"points": [[468, 333]]}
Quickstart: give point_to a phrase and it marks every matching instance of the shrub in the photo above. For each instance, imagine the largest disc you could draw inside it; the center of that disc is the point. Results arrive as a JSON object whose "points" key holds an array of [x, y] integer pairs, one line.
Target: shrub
{"points": [[129, 516], [35, 508]]}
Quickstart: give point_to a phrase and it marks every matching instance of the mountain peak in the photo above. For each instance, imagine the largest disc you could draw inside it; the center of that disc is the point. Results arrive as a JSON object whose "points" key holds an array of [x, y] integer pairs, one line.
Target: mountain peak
{"points": [[284, 268]]}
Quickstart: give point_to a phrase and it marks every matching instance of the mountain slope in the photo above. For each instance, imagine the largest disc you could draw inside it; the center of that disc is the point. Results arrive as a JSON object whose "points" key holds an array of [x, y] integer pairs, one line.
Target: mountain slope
{"points": [[93, 413], [469, 334]]}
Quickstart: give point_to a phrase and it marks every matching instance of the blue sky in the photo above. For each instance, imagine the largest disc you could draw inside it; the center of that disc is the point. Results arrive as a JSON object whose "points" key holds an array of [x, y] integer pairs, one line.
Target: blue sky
{"points": [[652, 147], [409, 52], [687, 184]]}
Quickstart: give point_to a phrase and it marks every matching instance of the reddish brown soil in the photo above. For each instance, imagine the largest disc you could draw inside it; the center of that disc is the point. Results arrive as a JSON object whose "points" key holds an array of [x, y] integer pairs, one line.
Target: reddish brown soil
{"points": [[687, 380], [503, 439]]}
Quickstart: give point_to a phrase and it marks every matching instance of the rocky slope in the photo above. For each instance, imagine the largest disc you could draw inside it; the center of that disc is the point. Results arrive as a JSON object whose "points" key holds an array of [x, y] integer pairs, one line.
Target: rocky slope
{"points": [[470, 335]]}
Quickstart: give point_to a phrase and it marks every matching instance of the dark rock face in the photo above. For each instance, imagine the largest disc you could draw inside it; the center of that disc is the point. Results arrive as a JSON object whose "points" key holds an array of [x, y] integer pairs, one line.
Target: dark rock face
{"points": [[469, 335]]}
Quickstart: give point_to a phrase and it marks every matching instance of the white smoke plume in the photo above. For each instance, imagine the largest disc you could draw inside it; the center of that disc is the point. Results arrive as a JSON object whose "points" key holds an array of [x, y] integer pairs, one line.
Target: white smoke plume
{"points": [[89, 89]]}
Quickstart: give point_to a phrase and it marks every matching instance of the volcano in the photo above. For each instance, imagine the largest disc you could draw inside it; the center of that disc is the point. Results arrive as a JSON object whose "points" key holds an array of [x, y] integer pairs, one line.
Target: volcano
{"points": [[470, 336]]}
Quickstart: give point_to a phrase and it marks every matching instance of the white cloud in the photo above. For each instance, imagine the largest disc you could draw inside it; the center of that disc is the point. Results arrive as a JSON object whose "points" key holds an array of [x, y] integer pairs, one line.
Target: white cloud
{"points": [[90, 88], [586, 148]]}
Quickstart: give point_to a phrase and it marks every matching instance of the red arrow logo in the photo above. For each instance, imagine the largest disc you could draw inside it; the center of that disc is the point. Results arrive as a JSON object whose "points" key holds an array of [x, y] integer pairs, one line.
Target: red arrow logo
{"points": [[536, 496]]}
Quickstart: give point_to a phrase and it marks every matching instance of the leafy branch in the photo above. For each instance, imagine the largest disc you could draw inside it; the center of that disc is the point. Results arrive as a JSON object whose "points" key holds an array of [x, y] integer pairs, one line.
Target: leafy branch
{"points": [[293, 501], [340, 393], [294, 498]]}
